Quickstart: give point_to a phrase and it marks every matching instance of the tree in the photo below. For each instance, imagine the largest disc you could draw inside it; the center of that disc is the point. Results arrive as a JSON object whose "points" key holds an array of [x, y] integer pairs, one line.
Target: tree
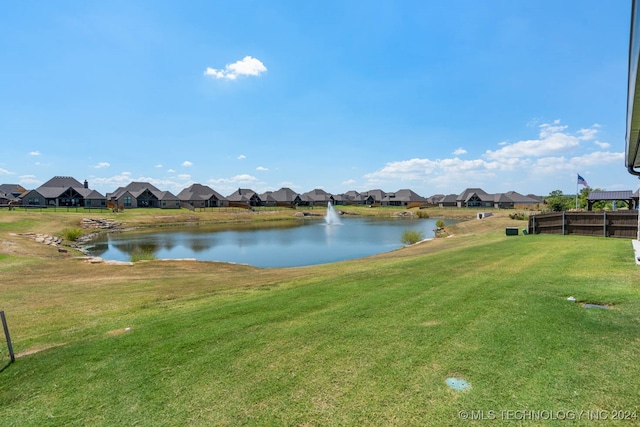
{"points": [[558, 202]]}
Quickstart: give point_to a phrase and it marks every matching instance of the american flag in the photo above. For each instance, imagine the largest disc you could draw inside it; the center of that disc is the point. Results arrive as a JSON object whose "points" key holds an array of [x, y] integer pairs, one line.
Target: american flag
{"points": [[582, 181]]}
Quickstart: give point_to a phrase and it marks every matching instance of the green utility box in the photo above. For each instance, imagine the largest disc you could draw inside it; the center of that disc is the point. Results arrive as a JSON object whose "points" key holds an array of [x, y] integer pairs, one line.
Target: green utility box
{"points": [[512, 231]]}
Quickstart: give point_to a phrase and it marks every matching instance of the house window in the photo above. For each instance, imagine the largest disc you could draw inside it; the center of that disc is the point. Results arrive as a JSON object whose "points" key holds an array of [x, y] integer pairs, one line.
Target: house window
{"points": [[127, 201], [164, 203], [87, 202]]}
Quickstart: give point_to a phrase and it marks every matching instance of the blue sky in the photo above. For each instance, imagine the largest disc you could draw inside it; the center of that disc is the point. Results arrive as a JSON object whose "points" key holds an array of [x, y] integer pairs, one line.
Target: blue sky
{"points": [[341, 95]]}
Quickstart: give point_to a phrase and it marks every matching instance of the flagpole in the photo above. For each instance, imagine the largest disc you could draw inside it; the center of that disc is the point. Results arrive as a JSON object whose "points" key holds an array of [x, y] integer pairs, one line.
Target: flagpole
{"points": [[576, 193]]}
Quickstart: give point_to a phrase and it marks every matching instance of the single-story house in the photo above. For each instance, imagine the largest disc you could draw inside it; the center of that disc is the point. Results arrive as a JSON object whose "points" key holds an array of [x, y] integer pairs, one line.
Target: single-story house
{"points": [[373, 196], [282, 197], [5, 198], [402, 198], [245, 196], [435, 199], [202, 196], [317, 197], [349, 198], [63, 191], [143, 195], [448, 201], [355, 198], [10, 194], [475, 198], [13, 191], [514, 200]]}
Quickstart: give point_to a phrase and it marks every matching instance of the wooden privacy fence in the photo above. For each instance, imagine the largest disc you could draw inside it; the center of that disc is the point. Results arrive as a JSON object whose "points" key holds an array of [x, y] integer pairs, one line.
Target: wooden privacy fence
{"points": [[608, 224]]}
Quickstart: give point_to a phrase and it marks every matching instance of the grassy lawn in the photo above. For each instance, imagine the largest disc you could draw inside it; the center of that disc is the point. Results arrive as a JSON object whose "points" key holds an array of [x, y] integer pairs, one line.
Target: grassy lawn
{"points": [[362, 342]]}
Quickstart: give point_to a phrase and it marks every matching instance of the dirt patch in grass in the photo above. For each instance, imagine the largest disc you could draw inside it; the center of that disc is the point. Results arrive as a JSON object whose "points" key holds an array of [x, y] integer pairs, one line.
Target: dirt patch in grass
{"points": [[118, 332], [37, 350], [431, 323]]}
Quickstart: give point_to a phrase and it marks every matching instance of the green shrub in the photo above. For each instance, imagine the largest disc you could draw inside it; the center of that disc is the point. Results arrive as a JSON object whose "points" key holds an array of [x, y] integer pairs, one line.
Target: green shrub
{"points": [[72, 234], [409, 237], [423, 214], [518, 216], [440, 223], [142, 255]]}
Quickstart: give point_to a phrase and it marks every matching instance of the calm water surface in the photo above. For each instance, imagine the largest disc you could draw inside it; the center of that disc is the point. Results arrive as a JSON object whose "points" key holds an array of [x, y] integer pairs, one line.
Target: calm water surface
{"points": [[297, 244]]}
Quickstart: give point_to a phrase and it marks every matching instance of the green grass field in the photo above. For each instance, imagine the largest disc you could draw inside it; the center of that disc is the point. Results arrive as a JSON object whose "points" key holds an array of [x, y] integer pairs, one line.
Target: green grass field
{"points": [[363, 342]]}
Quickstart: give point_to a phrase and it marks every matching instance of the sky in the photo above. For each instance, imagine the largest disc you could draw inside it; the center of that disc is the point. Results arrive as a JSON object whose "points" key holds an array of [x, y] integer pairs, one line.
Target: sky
{"points": [[433, 96]]}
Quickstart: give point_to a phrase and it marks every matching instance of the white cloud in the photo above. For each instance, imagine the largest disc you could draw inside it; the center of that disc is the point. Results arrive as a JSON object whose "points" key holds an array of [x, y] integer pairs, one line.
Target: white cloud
{"points": [[242, 157], [115, 181], [459, 152], [550, 166], [549, 158], [405, 169], [590, 133], [289, 184], [248, 66], [603, 145], [111, 183], [187, 163], [598, 158], [240, 179], [552, 140], [102, 165], [171, 171], [229, 185], [437, 173], [29, 180], [158, 166], [184, 176], [34, 153], [262, 168]]}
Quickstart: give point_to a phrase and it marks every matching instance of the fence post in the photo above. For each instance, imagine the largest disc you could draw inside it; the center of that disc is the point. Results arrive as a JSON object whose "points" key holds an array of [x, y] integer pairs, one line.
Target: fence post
{"points": [[534, 225], [563, 221], [604, 223], [6, 334]]}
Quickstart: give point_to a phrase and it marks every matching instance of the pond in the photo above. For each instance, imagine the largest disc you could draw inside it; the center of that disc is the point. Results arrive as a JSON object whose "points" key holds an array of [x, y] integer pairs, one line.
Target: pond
{"points": [[307, 242]]}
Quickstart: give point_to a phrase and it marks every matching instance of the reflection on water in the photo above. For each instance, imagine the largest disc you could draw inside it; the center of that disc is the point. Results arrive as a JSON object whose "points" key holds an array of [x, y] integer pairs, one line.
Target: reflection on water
{"points": [[285, 245]]}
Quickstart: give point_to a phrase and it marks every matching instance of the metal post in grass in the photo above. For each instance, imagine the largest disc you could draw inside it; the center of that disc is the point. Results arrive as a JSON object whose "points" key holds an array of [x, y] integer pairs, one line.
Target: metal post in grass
{"points": [[6, 334]]}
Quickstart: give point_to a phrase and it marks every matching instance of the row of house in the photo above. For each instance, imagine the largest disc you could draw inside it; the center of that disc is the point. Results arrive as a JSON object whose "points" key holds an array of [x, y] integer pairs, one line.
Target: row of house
{"points": [[67, 191], [478, 198]]}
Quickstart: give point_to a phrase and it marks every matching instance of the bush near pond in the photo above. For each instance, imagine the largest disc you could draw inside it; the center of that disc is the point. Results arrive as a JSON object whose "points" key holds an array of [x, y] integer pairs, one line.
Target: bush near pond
{"points": [[409, 237], [143, 255], [72, 234]]}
